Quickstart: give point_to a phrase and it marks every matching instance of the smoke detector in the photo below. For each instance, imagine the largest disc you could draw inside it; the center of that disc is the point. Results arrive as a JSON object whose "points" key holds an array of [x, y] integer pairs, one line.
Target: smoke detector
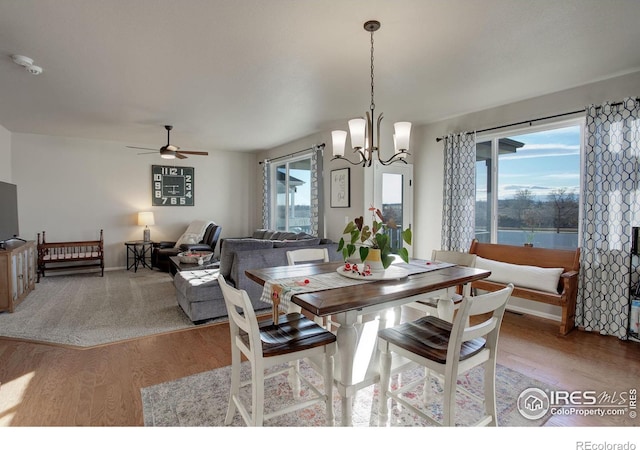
{"points": [[27, 63]]}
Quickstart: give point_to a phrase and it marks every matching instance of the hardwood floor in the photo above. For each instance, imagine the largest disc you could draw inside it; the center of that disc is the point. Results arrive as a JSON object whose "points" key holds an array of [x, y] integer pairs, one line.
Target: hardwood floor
{"points": [[46, 385]]}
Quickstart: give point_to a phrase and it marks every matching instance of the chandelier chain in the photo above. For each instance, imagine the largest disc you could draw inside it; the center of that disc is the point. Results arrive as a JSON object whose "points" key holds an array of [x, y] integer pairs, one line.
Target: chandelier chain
{"points": [[373, 105]]}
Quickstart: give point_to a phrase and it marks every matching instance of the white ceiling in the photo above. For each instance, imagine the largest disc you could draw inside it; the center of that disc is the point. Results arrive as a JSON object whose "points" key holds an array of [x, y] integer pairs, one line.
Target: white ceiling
{"points": [[253, 74]]}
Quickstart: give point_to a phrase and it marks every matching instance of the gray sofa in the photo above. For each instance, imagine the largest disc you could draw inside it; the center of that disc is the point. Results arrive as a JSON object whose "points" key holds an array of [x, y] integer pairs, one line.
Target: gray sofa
{"points": [[200, 296]]}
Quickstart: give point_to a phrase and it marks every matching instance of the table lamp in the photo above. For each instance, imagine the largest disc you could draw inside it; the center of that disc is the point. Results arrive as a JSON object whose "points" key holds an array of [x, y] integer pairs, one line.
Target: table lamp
{"points": [[146, 219]]}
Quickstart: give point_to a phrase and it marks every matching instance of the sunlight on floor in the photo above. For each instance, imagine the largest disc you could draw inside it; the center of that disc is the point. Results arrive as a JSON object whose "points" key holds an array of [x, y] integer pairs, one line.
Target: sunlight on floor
{"points": [[11, 394]]}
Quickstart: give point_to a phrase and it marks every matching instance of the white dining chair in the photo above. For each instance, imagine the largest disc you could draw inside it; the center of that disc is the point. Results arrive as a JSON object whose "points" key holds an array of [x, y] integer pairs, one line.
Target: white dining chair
{"points": [[443, 303], [448, 350], [266, 345], [307, 256]]}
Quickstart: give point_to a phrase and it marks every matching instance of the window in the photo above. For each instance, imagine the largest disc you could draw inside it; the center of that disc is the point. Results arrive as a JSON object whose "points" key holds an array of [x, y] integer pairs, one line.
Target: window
{"points": [[292, 195], [528, 187]]}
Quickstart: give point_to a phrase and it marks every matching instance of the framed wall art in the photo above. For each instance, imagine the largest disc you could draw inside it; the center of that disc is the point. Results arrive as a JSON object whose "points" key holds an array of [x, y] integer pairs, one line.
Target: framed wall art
{"points": [[172, 186], [340, 188]]}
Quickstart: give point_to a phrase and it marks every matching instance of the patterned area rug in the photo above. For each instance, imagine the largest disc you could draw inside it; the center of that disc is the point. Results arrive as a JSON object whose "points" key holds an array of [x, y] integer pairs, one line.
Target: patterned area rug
{"points": [[201, 400], [86, 309]]}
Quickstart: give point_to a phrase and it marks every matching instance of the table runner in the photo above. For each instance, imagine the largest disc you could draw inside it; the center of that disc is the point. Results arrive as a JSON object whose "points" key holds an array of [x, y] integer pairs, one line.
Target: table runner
{"points": [[278, 292]]}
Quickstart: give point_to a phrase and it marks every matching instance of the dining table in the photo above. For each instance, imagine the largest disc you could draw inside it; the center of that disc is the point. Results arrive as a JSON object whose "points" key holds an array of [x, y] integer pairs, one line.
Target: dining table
{"points": [[328, 289]]}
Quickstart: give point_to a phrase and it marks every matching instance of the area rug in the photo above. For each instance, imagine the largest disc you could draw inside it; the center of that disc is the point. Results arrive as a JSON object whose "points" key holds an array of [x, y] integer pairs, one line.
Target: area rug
{"points": [[201, 401], [86, 309]]}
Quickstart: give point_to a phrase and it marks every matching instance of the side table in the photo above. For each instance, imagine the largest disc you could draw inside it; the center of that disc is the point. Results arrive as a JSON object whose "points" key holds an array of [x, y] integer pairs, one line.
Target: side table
{"points": [[137, 254]]}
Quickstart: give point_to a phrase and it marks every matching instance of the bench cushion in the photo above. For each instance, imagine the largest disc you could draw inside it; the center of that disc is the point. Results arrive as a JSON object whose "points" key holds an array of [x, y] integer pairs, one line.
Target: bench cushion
{"points": [[532, 277]]}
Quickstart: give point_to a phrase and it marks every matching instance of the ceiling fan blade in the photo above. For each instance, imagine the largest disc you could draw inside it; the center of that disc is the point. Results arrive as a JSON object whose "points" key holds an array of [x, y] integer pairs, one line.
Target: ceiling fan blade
{"points": [[194, 153], [155, 152], [143, 148], [180, 156]]}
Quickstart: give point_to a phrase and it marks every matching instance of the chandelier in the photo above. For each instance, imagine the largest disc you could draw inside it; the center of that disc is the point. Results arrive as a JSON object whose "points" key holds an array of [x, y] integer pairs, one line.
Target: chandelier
{"points": [[362, 130]]}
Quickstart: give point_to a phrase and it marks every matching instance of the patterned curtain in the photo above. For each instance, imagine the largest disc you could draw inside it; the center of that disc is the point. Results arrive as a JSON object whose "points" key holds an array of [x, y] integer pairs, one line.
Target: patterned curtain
{"points": [[266, 194], [459, 192], [316, 189], [610, 206]]}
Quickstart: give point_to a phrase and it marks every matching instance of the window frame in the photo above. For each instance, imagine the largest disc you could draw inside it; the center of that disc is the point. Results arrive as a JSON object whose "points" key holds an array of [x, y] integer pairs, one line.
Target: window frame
{"points": [[273, 189], [495, 136]]}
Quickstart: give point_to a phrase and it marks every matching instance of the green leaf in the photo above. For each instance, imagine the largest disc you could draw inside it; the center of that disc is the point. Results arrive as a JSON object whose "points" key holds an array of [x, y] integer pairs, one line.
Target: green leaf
{"points": [[364, 252], [340, 244], [382, 241], [404, 254], [355, 234], [407, 235], [366, 234], [351, 249], [387, 260], [349, 228]]}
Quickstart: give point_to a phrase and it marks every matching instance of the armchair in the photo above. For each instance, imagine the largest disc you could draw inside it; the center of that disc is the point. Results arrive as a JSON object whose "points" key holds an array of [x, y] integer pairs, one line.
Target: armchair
{"points": [[163, 250]]}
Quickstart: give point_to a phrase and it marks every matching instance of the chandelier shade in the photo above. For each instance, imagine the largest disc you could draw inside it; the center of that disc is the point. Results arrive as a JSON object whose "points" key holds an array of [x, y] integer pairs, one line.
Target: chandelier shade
{"points": [[362, 131]]}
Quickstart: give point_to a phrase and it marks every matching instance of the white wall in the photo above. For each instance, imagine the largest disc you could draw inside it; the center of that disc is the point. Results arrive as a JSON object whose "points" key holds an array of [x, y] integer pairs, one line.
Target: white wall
{"points": [[71, 188], [5, 155]]}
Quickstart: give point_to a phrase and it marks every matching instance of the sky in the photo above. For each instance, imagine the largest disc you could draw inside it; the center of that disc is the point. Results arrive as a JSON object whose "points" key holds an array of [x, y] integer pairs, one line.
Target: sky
{"points": [[549, 160]]}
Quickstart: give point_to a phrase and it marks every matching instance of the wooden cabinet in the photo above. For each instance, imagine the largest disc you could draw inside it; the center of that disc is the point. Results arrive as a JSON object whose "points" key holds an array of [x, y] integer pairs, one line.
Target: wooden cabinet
{"points": [[17, 273]]}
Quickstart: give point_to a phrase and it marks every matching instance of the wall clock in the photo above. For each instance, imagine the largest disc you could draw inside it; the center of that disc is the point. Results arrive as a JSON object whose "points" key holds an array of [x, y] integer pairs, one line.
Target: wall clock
{"points": [[172, 185]]}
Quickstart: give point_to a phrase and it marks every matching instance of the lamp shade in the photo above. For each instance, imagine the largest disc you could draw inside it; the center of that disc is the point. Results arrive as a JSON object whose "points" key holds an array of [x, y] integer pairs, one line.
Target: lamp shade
{"points": [[338, 137], [402, 134], [357, 129], [146, 218]]}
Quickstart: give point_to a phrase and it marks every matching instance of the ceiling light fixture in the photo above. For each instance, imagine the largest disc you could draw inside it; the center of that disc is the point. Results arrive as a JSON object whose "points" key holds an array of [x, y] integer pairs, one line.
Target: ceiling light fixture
{"points": [[27, 63], [362, 130]]}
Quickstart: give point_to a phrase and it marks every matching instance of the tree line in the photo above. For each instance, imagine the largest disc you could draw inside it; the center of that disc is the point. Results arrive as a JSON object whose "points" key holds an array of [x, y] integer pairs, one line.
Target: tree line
{"points": [[559, 210]]}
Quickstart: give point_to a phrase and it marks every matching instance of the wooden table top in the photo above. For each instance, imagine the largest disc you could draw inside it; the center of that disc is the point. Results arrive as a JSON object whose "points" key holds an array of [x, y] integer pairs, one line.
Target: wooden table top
{"points": [[333, 301]]}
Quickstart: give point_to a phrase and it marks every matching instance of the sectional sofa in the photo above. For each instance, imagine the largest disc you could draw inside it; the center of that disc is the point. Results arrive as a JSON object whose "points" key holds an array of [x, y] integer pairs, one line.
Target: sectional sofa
{"points": [[198, 292]]}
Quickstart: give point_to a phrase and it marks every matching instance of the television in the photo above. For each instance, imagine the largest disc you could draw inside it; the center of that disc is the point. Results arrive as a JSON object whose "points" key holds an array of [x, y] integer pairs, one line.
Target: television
{"points": [[8, 212]]}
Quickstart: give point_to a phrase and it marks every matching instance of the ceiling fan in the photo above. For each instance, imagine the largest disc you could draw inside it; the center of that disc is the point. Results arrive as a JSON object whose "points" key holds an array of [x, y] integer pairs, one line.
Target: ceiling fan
{"points": [[170, 151]]}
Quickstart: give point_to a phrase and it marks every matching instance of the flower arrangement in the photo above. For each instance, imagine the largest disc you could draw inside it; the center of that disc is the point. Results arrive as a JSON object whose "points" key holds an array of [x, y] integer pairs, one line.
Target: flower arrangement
{"points": [[374, 237]]}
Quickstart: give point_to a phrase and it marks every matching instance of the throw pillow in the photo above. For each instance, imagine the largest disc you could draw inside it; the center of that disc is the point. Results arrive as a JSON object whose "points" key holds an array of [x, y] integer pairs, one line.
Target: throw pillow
{"points": [[187, 238], [532, 277]]}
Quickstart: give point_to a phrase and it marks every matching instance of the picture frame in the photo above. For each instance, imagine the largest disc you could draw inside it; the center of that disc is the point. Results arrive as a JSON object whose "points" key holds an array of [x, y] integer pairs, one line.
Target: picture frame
{"points": [[341, 188]]}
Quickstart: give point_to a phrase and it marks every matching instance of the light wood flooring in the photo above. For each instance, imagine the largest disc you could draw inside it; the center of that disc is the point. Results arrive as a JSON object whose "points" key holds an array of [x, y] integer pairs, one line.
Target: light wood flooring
{"points": [[47, 385]]}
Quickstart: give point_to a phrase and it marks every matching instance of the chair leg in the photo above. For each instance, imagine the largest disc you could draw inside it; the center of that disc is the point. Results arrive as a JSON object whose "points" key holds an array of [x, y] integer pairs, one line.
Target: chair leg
{"points": [[426, 388], [385, 375], [234, 391], [490, 392], [449, 402], [257, 396], [294, 366], [328, 387]]}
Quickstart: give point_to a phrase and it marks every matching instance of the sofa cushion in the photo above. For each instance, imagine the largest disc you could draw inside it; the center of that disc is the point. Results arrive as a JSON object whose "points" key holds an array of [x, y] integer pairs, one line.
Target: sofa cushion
{"points": [[230, 246], [532, 277], [297, 243], [259, 233]]}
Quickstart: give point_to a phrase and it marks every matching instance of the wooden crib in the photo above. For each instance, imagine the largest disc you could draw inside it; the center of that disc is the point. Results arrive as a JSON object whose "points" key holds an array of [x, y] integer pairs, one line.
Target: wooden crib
{"points": [[77, 255]]}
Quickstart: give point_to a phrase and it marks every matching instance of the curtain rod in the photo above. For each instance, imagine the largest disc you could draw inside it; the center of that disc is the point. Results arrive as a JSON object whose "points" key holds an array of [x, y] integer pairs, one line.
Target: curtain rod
{"points": [[319, 146], [520, 123], [533, 120]]}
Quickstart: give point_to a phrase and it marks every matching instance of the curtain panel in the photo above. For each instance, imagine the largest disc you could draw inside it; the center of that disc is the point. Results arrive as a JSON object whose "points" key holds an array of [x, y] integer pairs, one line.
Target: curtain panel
{"points": [[610, 209], [266, 194], [459, 192]]}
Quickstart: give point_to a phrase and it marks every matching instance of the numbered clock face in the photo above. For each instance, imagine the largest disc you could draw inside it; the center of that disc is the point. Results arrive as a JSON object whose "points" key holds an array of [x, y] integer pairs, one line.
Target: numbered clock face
{"points": [[172, 186]]}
